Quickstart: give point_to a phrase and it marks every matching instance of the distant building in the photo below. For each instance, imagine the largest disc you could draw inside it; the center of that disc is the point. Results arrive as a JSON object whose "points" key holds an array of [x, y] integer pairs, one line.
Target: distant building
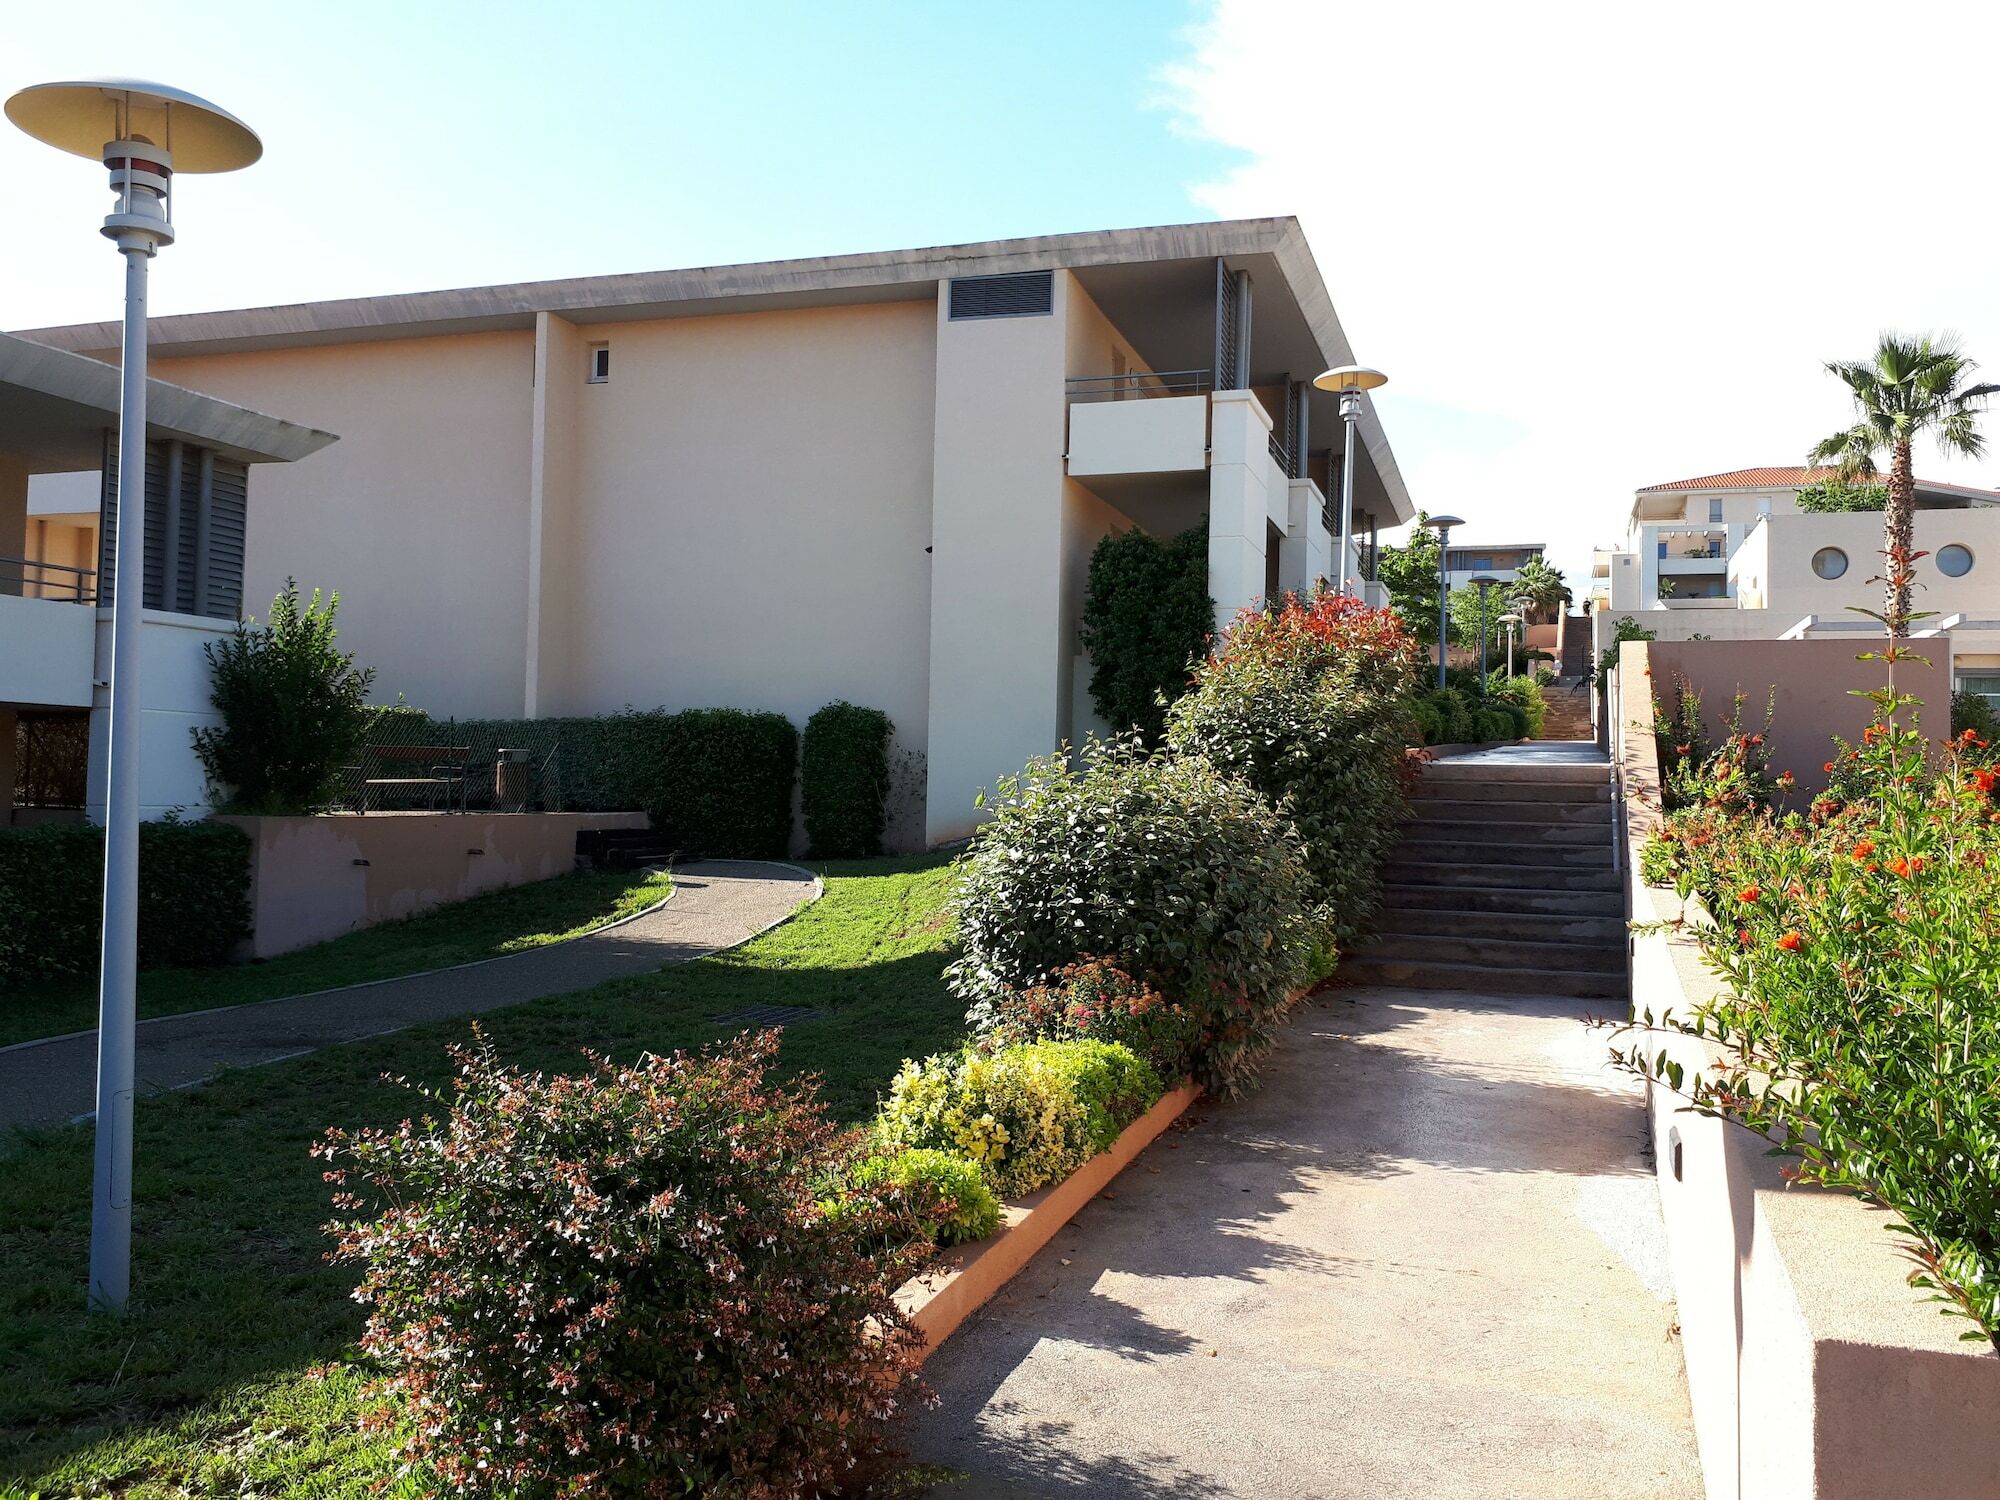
{"points": [[1501, 560]]}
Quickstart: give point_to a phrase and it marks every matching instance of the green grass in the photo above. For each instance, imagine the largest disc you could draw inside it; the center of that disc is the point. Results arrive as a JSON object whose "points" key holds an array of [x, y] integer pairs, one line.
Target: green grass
{"points": [[234, 1372], [523, 916]]}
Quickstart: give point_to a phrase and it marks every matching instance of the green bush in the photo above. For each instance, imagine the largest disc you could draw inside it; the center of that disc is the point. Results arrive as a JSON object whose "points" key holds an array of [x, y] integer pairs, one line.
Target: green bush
{"points": [[624, 1282], [1307, 706], [844, 781], [1490, 724], [194, 897], [1147, 614], [292, 706], [1027, 1115], [1524, 693], [1185, 876], [1971, 712], [937, 1190], [1445, 708], [719, 780]]}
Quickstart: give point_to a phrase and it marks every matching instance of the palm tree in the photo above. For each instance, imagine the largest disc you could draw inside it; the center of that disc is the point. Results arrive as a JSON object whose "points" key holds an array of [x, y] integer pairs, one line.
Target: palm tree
{"points": [[1911, 387], [1538, 587]]}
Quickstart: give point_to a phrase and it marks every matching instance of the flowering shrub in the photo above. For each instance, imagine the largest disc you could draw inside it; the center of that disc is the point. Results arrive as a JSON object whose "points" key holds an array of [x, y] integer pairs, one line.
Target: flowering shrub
{"points": [[1187, 877], [624, 1280], [1308, 705], [942, 1193], [1027, 1115], [1733, 776], [1860, 1028], [1094, 998]]}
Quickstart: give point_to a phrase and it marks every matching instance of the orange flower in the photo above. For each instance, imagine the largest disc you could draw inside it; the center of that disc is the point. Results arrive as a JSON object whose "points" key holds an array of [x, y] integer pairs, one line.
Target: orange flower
{"points": [[1828, 768], [1748, 895], [1863, 849], [1743, 937], [1791, 942], [1682, 749]]}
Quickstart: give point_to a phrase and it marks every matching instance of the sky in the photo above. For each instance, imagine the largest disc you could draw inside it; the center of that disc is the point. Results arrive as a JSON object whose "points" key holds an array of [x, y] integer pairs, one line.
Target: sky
{"points": [[1594, 246]]}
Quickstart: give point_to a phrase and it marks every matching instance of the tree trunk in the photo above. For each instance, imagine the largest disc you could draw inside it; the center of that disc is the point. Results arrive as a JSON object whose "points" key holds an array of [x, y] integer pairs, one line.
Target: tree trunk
{"points": [[1897, 539]]}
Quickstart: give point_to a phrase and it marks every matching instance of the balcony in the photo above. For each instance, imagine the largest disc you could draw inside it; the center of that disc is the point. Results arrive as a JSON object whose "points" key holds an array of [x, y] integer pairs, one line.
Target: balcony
{"points": [[50, 630], [1138, 422]]}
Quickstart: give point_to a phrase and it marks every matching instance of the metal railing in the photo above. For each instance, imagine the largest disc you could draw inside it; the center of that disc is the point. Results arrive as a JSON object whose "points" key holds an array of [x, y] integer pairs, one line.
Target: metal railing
{"points": [[412, 762], [32, 579], [1138, 385], [1282, 456]]}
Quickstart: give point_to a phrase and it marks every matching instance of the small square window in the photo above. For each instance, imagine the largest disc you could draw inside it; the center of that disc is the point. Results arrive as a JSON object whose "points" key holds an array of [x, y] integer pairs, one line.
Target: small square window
{"points": [[600, 364]]}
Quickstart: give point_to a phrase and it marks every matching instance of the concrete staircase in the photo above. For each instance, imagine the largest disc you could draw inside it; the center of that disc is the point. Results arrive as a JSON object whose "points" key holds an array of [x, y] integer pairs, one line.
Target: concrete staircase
{"points": [[1504, 884], [1568, 711]]}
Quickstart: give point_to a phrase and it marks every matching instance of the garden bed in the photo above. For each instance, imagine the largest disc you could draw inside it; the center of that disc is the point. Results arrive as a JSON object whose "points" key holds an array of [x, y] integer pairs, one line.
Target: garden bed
{"points": [[943, 1298]]}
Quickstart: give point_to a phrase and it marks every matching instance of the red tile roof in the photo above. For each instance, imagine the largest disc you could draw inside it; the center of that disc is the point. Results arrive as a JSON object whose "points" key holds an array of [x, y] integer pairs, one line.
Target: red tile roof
{"points": [[1779, 478]]}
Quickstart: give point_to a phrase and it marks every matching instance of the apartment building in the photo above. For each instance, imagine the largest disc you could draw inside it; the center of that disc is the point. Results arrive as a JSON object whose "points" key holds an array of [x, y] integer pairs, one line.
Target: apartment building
{"points": [[1501, 560], [874, 477]]}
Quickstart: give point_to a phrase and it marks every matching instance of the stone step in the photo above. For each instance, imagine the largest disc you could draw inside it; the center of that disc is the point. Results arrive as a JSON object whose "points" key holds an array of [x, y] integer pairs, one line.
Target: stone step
{"points": [[1493, 831], [1403, 871], [1545, 773], [1489, 789], [1450, 853], [1499, 953], [1405, 974], [1541, 927], [1447, 898], [1595, 814]]}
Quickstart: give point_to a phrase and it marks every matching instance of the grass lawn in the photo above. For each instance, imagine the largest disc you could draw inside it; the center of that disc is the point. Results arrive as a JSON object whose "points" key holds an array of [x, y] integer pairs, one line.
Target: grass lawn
{"points": [[233, 1373], [523, 916]]}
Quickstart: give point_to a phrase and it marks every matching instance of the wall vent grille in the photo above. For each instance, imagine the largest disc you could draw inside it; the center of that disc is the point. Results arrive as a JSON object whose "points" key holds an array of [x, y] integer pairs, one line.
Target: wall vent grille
{"points": [[1024, 294]]}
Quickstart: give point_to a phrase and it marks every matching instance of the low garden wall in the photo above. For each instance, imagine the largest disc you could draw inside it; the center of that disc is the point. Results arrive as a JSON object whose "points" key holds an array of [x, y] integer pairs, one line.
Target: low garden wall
{"points": [[1814, 1369], [314, 878]]}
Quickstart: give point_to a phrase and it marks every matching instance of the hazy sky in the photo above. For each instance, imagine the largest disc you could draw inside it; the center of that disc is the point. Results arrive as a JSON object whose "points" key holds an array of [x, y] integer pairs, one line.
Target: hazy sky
{"points": [[1595, 246]]}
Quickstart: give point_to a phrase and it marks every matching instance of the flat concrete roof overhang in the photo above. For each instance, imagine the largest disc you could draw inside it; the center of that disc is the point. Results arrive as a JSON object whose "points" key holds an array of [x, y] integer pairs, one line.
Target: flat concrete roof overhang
{"points": [[56, 406], [1141, 278]]}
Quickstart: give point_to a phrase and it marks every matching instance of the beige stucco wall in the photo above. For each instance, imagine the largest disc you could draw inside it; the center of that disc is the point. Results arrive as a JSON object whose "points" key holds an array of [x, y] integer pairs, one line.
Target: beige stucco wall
{"points": [[997, 630], [1773, 567], [752, 500], [316, 878], [418, 515]]}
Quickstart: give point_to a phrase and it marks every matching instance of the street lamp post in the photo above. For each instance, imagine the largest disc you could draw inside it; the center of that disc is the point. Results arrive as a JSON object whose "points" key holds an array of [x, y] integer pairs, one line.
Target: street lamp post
{"points": [[1484, 583], [144, 133], [1350, 381], [1510, 620], [1444, 525]]}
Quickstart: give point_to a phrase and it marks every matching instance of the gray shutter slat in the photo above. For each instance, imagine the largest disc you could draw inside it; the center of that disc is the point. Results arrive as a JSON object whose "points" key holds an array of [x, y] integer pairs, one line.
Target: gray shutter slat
{"points": [[1023, 294]]}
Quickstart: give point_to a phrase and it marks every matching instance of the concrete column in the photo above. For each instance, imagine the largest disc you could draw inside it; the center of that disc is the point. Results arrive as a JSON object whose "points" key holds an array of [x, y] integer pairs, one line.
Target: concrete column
{"points": [[13, 520], [559, 377], [1238, 501], [997, 642], [1306, 555]]}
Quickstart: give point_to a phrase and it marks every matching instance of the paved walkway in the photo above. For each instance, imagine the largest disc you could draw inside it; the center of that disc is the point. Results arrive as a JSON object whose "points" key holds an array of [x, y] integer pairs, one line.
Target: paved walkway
{"points": [[716, 904], [1424, 1259]]}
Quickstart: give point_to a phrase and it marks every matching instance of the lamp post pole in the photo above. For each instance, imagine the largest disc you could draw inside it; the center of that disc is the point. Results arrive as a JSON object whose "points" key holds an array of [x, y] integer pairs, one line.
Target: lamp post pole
{"points": [[1350, 381], [130, 126], [1444, 525], [1510, 621]]}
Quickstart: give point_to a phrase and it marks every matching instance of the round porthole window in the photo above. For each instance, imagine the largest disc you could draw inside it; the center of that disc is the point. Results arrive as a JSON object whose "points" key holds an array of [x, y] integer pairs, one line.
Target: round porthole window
{"points": [[1954, 561], [1829, 562]]}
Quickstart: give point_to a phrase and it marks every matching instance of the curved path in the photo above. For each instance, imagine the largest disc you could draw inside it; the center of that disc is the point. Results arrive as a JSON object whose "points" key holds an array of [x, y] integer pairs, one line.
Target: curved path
{"points": [[715, 904]]}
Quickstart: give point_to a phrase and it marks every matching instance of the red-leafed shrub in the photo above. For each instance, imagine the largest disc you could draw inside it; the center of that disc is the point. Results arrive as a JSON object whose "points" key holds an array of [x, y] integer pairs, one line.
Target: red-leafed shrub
{"points": [[624, 1282], [1096, 999]]}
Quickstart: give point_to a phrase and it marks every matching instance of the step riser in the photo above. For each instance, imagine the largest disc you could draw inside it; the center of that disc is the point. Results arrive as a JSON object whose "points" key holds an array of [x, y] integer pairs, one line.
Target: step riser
{"points": [[1505, 953], [1529, 856], [1479, 789], [1552, 774], [1427, 831], [1421, 976], [1568, 814], [1605, 932], [1504, 877], [1533, 903]]}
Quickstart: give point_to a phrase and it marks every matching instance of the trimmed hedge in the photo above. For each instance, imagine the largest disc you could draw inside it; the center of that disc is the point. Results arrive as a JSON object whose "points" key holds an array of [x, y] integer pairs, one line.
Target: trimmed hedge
{"points": [[194, 897], [844, 779], [719, 780]]}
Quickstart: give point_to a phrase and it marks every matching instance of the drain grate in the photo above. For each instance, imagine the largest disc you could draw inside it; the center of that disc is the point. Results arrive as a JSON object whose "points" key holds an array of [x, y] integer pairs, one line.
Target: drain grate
{"points": [[771, 1015]]}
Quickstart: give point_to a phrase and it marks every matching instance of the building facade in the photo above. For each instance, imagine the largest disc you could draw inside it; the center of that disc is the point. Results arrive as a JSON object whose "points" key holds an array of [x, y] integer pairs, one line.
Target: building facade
{"points": [[874, 477], [1466, 561]]}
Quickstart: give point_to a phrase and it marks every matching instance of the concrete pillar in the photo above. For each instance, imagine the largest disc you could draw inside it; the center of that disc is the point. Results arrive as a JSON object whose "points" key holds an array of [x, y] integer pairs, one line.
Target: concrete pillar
{"points": [[13, 519], [1238, 501], [1306, 555], [997, 638], [552, 446]]}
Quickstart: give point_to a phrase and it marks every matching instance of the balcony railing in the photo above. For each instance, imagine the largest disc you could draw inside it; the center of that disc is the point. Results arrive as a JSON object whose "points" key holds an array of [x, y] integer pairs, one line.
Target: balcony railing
{"points": [[44, 580], [1282, 456], [1139, 385]]}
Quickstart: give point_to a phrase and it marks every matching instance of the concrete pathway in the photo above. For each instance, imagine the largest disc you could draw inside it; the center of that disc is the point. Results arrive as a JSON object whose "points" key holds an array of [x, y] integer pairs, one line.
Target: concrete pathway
{"points": [[1424, 1259], [715, 904]]}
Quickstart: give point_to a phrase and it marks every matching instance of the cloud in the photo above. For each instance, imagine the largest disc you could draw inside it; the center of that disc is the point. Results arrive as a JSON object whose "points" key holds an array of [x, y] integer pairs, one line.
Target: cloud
{"points": [[1598, 247]]}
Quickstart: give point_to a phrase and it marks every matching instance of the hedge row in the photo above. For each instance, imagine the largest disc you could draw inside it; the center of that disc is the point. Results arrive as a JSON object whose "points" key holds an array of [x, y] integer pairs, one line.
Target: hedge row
{"points": [[718, 780], [194, 897]]}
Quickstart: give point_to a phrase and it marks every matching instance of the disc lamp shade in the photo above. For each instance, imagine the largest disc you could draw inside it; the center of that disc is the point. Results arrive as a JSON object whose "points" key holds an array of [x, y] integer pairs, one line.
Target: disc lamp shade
{"points": [[84, 116], [1444, 523], [1350, 378]]}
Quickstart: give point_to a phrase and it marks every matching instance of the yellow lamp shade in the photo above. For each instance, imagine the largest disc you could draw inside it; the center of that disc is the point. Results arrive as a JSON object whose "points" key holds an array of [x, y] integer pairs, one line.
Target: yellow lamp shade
{"points": [[1350, 378], [83, 116]]}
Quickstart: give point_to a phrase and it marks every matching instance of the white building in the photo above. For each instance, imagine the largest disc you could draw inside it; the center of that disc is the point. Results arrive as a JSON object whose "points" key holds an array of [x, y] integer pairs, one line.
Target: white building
{"points": [[873, 477]]}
